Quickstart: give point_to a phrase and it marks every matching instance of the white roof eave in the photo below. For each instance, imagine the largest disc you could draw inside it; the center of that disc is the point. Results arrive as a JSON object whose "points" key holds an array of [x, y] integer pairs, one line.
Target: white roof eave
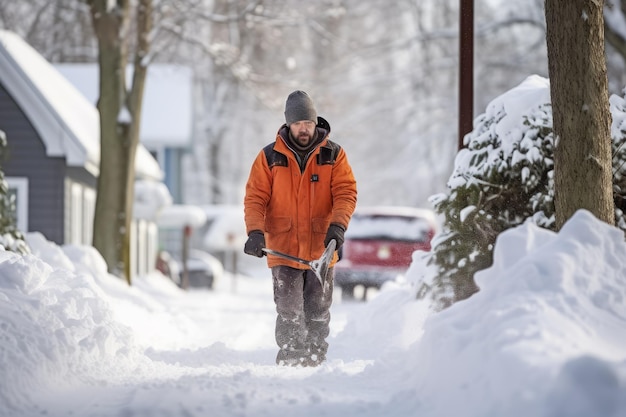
{"points": [[67, 123], [20, 63]]}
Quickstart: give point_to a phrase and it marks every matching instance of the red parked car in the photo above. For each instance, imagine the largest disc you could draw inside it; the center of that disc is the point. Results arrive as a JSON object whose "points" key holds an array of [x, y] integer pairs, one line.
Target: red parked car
{"points": [[379, 245]]}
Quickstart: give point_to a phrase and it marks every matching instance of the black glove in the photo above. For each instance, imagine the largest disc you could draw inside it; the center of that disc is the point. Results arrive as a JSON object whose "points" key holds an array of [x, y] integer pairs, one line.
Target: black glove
{"points": [[255, 244], [335, 231]]}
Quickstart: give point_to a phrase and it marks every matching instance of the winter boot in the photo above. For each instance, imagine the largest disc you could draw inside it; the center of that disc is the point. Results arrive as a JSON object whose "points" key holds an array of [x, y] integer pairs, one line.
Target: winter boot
{"points": [[317, 354], [292, 358]]}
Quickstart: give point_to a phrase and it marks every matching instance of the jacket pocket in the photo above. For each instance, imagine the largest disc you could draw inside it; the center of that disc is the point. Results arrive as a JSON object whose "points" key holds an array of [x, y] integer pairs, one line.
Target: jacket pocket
{"points": [[320, 225], [278, 224]]}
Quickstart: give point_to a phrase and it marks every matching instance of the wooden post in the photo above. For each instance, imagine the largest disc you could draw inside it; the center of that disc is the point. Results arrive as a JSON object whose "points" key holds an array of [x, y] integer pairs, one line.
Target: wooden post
{"points": [[232, 254], [466, 69], [184, 283]]}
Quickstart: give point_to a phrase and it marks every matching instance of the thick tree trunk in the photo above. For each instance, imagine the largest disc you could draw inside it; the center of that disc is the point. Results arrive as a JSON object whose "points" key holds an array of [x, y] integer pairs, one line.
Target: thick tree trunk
{"points": [[110, 213], [579, 92], [134, 105], [120, 120]]}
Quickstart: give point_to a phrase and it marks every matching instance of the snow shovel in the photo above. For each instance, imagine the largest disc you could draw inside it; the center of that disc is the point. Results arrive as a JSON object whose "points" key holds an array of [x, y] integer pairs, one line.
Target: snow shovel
{"points": [[318, 266]]}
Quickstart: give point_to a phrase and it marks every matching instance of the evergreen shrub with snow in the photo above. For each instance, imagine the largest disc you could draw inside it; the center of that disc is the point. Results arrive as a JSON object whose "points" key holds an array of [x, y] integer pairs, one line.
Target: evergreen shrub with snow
{"points": [[502, 178], [10, 237]]}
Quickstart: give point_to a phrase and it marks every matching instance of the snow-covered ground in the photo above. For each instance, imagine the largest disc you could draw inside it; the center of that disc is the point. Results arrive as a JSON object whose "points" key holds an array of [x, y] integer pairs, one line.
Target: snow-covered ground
{"points": [[545, 336]]}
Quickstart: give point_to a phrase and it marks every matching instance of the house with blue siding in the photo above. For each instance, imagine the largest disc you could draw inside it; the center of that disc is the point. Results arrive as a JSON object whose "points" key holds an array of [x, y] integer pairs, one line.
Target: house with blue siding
{"points": [[53, 136]]}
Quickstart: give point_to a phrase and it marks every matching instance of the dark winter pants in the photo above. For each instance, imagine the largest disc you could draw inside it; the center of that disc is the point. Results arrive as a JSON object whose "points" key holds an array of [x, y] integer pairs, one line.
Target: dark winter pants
{"points": [[303, 318]]}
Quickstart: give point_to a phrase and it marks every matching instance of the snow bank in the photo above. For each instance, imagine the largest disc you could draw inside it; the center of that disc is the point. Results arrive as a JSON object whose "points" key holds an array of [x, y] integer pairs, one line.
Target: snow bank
{"points": [[545, 337], [56, 327], [548, 324]]}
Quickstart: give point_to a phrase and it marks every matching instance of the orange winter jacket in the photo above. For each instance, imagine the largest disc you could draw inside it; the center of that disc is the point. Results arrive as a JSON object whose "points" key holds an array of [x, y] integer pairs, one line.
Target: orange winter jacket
{"points": [[294, 208]]}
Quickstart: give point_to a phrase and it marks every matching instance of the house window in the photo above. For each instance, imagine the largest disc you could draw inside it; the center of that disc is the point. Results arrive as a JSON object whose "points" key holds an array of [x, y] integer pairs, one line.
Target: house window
{"points": [[134, 249], [80, 202], [142, 248], [153, 245], [89, 209], [18, 186], [76, 213]]}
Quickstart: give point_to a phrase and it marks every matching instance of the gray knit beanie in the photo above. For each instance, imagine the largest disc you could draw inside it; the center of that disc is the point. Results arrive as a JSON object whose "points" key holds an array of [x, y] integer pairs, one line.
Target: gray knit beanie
{"points": [[299, 106]]}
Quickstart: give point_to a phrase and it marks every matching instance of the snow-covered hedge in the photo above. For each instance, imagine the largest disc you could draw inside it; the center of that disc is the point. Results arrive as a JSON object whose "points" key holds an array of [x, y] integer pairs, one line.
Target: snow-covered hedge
{"points": [[502, 178]]}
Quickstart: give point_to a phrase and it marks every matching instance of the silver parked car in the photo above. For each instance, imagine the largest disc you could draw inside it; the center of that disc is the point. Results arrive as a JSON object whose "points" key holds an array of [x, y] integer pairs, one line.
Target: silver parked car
{"points": [[204, 269]]}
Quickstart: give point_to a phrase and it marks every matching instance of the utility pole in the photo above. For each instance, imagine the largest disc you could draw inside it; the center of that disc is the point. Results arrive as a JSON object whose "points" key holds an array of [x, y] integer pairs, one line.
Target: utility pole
{"points": [[466, 69]]}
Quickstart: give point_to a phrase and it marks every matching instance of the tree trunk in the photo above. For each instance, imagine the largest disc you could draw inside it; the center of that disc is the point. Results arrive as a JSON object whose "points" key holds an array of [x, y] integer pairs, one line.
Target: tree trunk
{"points": [[134, 104], [120, 120], [110, 215], [580, 106]]}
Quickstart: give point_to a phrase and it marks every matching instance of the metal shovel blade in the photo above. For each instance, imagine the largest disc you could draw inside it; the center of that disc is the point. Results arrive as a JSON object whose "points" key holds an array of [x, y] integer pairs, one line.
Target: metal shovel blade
{"points": [[318, 266]]}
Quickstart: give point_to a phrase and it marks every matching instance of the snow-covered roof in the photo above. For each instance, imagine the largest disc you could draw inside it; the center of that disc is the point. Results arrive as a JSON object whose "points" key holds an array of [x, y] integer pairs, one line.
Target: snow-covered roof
{"points": [[66, 121], [150, 198], [401, 222], [227, 229], [404, 211], [166, 115], [181, 215]]}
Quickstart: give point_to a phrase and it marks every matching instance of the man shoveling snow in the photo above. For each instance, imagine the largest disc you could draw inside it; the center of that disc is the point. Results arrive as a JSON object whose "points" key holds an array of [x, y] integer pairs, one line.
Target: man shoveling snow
{"points": [[300, 196]]}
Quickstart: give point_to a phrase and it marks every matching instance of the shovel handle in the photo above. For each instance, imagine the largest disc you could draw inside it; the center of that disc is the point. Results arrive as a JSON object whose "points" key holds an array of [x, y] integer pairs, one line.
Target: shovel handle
{"points": [[286, 256]]}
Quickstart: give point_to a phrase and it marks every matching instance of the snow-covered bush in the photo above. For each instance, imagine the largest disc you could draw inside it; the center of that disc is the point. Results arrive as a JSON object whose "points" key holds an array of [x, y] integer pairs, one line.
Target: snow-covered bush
{"points": [[502, 178], [10, 237]]}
